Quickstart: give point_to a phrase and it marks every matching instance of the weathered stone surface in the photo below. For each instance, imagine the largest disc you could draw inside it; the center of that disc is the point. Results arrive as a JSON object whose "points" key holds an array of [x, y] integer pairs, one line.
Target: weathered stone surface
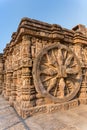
{"points": [[1, 73], [44, 68]]}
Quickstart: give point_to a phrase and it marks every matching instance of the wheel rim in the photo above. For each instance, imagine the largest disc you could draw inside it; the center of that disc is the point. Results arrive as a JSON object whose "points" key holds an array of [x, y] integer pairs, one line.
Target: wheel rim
{"points": [[57, 73]]}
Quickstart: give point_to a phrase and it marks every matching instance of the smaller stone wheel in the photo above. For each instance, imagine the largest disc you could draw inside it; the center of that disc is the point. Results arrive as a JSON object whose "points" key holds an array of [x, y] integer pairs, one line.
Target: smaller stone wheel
{"points": [[57, 73]]}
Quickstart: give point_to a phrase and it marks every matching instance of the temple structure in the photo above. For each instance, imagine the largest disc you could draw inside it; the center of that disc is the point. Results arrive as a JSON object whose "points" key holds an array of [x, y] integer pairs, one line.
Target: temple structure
{"points": [[44, 68]]}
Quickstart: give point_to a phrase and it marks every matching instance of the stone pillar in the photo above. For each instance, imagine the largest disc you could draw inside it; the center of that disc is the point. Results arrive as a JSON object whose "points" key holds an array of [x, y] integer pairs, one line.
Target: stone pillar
{"points": [[9, 74], [78, 49], [1, 82], [4, 84], [25, 89], [83, 90], [15, 65], [8, 84], [84, 52], [18, 86], [13, 88], [24, 92], [78, 52], [1, 73]]}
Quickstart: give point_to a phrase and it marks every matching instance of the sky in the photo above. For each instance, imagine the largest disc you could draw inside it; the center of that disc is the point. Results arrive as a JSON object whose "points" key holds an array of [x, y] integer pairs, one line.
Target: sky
{"points": [[67, 13]]}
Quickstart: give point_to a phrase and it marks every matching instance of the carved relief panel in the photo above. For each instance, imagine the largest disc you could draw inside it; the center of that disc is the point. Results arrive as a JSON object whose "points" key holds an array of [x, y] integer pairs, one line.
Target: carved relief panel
{"points": [[57, 73]]}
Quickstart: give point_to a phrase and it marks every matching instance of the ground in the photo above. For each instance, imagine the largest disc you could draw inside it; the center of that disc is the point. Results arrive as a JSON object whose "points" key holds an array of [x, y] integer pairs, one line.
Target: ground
{"points": [[75, 119]]}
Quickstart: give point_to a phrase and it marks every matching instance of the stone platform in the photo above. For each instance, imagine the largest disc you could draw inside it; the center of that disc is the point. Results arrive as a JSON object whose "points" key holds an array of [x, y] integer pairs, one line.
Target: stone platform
{"points": [[74, 119]]}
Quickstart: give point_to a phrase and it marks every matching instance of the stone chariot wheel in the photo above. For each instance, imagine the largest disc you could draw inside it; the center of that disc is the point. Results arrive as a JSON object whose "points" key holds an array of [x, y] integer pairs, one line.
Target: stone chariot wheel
{"points": [[57, 73]]}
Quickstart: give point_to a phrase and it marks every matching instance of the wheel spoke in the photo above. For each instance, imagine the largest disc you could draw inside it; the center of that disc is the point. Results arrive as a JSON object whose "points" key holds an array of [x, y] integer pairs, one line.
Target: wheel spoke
{"points": [[62, 87], [65, 54], [55, 92], [60, 57], [53, 57], [48, 59], [73, 65], [68, 60], [50, 66], [72, 71], [47, 79], [49, 72], [52, 84], [74, 79], [70, 85]]}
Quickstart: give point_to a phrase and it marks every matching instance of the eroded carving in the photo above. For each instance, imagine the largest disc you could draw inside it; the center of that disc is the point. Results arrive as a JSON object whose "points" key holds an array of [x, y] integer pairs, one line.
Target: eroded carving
{"points": [[57, 73]]}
